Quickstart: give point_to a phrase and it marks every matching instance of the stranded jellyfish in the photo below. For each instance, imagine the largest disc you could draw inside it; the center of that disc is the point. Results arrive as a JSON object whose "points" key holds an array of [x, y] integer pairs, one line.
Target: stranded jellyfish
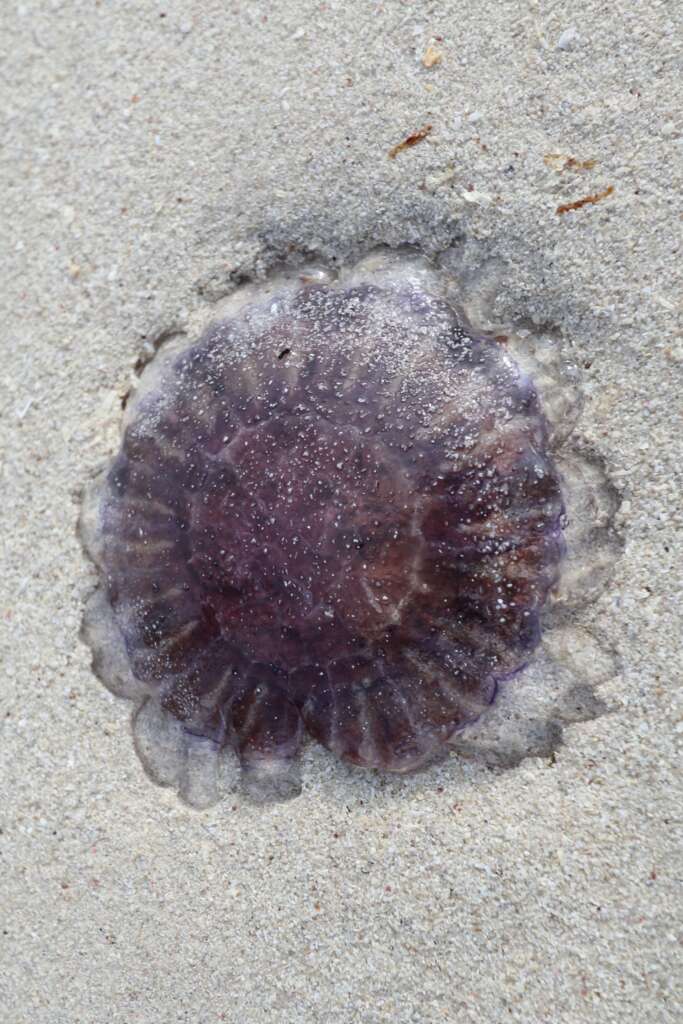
{"points": [[335, 514]]}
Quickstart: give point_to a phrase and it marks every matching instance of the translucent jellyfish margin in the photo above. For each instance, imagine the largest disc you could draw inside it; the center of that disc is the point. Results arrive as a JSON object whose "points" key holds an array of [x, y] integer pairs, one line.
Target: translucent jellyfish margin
{"points": [[532, 709]]}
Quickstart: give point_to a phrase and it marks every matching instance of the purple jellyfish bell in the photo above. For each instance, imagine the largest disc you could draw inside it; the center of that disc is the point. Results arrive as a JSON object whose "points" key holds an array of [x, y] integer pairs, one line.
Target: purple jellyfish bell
{"points": [[335, 514]]}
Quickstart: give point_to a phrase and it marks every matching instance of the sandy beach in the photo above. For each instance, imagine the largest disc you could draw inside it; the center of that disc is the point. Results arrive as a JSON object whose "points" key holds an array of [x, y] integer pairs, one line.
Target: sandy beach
{"points": [[154, 157]]}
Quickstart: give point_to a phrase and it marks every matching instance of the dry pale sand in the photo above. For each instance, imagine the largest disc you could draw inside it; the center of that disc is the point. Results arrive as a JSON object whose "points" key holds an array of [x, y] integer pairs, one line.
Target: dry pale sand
{"points": [[152, 154]]}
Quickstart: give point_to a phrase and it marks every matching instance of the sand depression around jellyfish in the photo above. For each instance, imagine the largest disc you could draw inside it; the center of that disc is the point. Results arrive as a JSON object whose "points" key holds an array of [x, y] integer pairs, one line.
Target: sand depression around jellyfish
{"points": [[338, 514]]}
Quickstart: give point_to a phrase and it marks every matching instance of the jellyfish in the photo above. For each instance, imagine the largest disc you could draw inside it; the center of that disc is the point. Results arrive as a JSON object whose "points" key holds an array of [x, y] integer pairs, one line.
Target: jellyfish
{"points": [[336, 514]]}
